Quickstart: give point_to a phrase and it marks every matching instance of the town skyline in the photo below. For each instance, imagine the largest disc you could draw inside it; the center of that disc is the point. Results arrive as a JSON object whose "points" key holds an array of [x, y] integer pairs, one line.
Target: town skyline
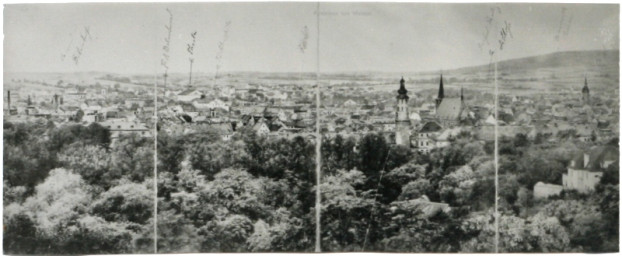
{"points": [[166, 148]]}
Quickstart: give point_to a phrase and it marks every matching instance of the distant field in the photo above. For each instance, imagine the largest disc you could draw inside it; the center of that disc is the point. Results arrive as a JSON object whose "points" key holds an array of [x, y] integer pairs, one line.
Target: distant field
{"points": [[551, 72]]}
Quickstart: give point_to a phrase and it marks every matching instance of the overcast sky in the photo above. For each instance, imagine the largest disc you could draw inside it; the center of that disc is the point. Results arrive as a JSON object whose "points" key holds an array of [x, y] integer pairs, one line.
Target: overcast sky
{"points": [[391, 37]]}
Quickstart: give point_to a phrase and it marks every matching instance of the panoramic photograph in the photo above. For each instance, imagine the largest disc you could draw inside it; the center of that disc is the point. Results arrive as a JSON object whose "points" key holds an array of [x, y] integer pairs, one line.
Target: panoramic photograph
{"points": [[139, 128]]}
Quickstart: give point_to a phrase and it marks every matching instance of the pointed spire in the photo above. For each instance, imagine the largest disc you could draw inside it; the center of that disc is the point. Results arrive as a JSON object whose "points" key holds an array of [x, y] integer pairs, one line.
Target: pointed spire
{"points": [[585, 88], [441, 91], [461, 93]]}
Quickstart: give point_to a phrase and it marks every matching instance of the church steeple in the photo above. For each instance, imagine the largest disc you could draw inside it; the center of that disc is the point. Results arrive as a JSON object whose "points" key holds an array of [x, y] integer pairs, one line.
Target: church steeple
{"points": [[402, 120], [441, 92], [585, 88], [402, 92], [586, 93], [461, 93]]}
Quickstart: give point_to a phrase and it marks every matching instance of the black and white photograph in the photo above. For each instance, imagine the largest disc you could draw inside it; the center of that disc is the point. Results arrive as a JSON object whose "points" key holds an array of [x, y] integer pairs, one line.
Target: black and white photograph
{"points": [[310, 127]]}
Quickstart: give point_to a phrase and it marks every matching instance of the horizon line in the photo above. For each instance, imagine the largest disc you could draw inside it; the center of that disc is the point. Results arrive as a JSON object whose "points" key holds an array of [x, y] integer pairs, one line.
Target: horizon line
{"points": [[312, 72]]}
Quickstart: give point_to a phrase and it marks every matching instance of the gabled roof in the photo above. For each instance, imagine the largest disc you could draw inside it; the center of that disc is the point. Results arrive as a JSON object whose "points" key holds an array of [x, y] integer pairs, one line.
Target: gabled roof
{"points": [[188, 92], [598, 155], [430, 127], [223, 128]]}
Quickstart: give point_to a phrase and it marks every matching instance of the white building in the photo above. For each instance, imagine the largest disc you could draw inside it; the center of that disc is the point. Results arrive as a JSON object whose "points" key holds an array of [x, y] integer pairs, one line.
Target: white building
{"points": [[585, 170], [424, 141], [189, 95], [120, 127], [544, 190]]}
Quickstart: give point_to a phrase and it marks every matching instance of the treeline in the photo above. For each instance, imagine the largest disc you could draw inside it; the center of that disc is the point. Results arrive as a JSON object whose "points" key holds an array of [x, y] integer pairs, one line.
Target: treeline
{"points": [[79, 193], [256, 194], [69, 190]]}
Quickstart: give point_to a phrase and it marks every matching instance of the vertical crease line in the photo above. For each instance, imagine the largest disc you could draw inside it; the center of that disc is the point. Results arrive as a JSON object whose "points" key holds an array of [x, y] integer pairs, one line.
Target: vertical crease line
{"points": [[155, 166], [496, 161], [318, 138]]}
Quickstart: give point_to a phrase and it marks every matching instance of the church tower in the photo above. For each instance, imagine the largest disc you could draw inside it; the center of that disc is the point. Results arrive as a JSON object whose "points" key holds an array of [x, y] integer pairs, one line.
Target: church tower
{"points": [[462, 94], [441, 93], [402, 121], [586, 93]]}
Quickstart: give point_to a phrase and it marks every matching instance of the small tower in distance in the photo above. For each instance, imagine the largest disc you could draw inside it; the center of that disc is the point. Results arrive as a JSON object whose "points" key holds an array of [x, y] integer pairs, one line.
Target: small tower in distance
{"points": [[462, 93], [441, 93], [586, 93], [402, 121], [55, 100]]}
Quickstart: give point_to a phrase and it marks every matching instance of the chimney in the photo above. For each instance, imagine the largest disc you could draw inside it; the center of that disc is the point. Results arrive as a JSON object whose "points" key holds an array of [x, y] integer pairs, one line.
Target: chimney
{"points": [[586, 159]]}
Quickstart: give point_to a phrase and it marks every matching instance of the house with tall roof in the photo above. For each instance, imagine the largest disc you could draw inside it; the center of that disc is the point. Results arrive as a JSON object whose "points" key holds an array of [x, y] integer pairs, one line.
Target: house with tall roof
{"points": [[449, 111], [587, 168], [423, 141]]}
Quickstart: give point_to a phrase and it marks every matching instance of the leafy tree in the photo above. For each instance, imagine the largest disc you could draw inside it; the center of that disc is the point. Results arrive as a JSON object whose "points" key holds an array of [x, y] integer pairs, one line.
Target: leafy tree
{"points": [[177, 234], [170, 153], [280, 235], [55, 220], [79, 115], [456, 187], [394, 180], [132, 155], [227, 234], [338, 153], [210, 156], [415, 189], [512, 234], [524, 201], [57, 201], [16, 194], [416, 235], [19, 234], [608, 204], [547, 235], [373, 151], [125, 202], [93, 235], [534, 167], [91, 162], [233, 191], [346, 213]]}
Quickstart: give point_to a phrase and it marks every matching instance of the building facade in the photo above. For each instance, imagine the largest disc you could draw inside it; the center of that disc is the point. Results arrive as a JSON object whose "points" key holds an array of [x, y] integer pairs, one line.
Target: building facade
{"points": [[586, 170]]}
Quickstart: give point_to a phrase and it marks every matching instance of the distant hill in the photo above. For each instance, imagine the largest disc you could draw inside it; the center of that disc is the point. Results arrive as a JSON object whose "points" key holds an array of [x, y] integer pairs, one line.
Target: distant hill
{"points": [[560, 70], [588, 60]]}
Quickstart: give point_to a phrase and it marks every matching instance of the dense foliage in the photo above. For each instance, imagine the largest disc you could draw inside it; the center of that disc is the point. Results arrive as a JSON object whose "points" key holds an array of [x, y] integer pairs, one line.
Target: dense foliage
{"points": [[71, 189]]}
